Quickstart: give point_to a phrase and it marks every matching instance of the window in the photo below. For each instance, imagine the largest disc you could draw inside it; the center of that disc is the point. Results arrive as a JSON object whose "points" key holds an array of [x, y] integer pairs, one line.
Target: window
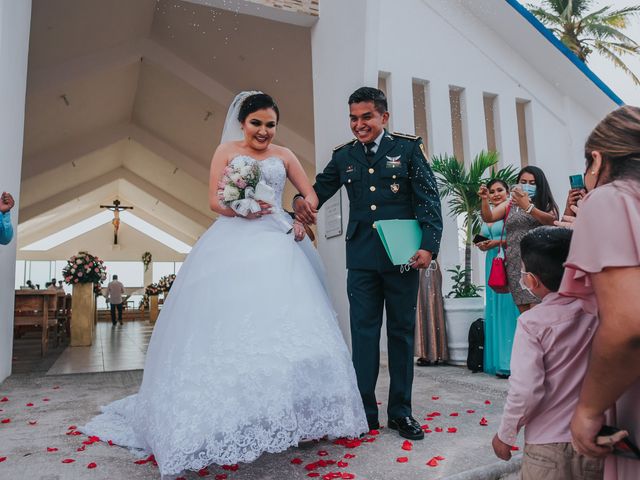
{"points": [[522, 112], [131, 274], [421, 112], [160, 269], [457, 129]]}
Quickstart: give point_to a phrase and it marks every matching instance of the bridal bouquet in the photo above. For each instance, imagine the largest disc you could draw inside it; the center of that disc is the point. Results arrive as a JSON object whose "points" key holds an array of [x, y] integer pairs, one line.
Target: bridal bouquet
{"points": [[240, 189]]}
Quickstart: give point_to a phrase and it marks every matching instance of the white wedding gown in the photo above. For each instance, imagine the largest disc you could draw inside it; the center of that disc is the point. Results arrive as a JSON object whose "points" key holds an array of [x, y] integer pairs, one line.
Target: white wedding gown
{"points": [[246, 356]]}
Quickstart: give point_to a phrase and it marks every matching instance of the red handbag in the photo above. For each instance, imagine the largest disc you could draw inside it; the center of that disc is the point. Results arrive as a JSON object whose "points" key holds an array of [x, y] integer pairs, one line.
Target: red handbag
{"points": [[498, 274]]}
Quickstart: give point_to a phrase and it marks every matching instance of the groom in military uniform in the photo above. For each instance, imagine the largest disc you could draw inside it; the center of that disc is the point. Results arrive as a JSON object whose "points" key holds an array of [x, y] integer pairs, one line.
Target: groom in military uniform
{"points": [[386, 176]]}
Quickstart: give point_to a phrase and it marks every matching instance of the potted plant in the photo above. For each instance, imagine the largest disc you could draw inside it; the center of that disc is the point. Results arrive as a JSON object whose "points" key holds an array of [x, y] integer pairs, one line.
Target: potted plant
{"points": [[459, 186]]}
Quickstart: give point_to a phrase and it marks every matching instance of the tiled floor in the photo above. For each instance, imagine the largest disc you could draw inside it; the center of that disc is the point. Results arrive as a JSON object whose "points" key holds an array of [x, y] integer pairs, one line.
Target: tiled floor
{"points": [[114, 348]]}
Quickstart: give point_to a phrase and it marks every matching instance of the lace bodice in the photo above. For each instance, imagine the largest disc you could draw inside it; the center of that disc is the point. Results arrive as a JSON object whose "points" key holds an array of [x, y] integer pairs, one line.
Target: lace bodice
{"points": [[273, 173]]}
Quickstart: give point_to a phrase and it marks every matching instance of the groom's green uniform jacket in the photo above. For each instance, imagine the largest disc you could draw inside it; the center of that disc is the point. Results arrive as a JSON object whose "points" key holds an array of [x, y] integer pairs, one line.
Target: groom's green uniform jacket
{"points": [[395, 183]]}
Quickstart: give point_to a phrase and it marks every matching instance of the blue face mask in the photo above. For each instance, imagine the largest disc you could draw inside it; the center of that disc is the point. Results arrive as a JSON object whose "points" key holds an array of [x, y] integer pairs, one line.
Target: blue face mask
{"points": [[529, 189]]}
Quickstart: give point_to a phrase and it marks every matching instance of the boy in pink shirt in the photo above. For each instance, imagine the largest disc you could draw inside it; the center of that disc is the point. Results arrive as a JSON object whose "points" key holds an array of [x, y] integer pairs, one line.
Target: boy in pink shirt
{"points": [[550, 355]]}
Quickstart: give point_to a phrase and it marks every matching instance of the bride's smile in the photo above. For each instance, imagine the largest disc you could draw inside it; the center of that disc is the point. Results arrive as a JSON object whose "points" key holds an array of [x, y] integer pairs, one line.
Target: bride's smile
{"points": [[259, 128]]}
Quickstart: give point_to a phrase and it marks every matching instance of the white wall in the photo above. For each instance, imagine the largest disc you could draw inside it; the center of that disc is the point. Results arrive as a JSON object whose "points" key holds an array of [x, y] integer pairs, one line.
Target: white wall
{"points": [[344, 45], [15, 17]]}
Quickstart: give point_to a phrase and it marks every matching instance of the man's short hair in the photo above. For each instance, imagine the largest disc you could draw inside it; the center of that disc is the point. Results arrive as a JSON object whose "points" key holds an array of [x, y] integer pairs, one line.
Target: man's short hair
{"points": [[544, 251], [115, 277], [369, 94]]}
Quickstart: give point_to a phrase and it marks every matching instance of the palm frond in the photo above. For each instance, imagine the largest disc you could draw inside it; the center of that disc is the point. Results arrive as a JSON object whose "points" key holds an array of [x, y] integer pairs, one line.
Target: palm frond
{"points": [[617, 61]]}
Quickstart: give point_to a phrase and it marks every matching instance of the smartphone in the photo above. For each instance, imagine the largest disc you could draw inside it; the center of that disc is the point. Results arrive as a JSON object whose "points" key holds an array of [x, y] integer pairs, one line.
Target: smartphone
{"points": [[479, 238], [576, 181], [624, 447]]}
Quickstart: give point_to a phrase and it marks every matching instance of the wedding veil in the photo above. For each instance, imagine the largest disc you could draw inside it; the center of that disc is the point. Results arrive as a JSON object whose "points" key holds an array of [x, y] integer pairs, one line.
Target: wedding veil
{"points": [[232, 130]]}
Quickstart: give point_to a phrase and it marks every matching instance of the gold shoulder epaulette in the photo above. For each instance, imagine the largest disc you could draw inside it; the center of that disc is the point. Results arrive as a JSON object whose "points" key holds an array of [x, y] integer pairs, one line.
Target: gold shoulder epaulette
{"points": [[405, 135], [344, 144]]}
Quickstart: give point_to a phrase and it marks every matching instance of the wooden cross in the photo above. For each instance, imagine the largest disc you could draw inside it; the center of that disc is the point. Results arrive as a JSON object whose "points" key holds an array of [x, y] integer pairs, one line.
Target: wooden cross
{"points": [[116, 208]]}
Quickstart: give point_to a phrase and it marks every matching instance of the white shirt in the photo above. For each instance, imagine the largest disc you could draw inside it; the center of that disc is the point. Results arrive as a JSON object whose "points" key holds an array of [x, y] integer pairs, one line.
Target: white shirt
{"points": [[115, 290], [377, 141]]}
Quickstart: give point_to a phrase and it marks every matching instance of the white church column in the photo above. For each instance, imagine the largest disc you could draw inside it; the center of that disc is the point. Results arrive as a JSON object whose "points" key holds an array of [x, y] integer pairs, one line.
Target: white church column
{"points": [[15, 18], [344, 57], [442, 143], [401, 102]]}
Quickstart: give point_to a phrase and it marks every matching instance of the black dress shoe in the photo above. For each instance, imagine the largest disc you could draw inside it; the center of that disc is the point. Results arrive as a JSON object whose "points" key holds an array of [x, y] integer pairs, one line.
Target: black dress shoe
{"points": [[407, 427], [374, 425]]}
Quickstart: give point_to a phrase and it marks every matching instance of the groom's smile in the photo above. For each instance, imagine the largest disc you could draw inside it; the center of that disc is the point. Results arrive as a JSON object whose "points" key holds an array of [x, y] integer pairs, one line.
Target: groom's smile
{"points": [[366, 122]]}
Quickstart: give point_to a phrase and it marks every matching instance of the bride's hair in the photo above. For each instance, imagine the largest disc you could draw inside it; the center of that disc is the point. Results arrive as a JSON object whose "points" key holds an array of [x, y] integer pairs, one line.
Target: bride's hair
{"points": [[253, 103]]}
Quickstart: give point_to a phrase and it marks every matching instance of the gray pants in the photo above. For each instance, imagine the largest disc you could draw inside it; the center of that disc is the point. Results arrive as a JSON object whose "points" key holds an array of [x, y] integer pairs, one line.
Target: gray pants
{"points": [[558, 461]]}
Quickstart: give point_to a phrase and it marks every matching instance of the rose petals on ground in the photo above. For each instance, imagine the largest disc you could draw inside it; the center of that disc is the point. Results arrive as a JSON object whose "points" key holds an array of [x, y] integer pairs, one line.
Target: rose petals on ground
{"points": [[313, 474], [56, 387], [52, 449], [323, 453], [231, 468], [484, 422], [92, 465], [402, 459], [221, 476], [80, 449], [296, 461], [32, 422], [5, 420], [439, 429], [439, 458], [407, 445], [2, 459], [435, 398], [471, 411], [374, 432], [72, 427], [203, 472], [487, 402], [29, 404], [452, 430], [45, 400], [432, 463], [453, 414], [4, 399], [347, 476], [349, 455], [429, 419], [342, 464], [68, 460], [111, 444]]}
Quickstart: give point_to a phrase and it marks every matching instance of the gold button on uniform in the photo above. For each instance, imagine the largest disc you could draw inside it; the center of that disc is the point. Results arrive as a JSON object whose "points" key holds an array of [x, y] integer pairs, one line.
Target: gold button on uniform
{"points": [[373, 225], [373, 207], [393, 176], [349, 181], [372, 188], [371, 170]]}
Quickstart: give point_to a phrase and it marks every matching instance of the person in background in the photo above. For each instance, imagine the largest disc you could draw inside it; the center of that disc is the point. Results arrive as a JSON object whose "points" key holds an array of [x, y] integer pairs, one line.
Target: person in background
{"points": [[553, 340], [604, 267], [60, 286], [531, 206], [115, 290], [501, 313], [52, 284], [6, 229], [30, 285], [431, 333]]}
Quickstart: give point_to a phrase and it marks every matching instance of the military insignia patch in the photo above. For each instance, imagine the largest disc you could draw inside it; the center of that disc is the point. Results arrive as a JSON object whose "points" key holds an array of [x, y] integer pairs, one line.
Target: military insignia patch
{"points": [[349, 168], [424, 151], [395, 188], [393, 162]]}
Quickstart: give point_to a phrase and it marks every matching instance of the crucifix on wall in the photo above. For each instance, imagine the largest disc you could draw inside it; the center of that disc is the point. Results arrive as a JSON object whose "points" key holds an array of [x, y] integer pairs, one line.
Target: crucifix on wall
{"points": [[116, 208]]}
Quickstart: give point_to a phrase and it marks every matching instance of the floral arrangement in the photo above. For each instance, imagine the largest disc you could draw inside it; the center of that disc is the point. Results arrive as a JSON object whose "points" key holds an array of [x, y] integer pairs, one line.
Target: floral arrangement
{"points": [[165, 283], [146, 260], [84, 268], [152, 289]]}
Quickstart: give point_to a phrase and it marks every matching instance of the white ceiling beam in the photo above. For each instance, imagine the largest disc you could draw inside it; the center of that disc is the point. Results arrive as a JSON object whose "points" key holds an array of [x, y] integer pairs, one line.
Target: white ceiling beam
{"points": [[86, 188], [262, 10], [57, 76], [169, 61]]}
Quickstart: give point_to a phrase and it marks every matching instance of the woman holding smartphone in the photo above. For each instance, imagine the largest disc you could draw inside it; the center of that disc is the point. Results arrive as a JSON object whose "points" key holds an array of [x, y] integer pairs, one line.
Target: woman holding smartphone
{"points": [[501, 313], [531, 206]]}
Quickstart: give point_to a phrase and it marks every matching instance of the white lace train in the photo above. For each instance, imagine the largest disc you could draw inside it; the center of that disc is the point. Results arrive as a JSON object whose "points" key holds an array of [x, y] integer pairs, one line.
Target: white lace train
{"points": [[246, 356]]}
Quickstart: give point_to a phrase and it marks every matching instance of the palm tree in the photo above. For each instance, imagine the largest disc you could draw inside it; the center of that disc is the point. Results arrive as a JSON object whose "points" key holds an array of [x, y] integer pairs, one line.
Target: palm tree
{"points": [[583, 32], [461, 187]]}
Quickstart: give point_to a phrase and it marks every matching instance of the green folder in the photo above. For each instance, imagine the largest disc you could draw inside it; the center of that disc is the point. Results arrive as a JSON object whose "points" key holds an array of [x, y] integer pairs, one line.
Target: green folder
{"points": [[401, 239]]}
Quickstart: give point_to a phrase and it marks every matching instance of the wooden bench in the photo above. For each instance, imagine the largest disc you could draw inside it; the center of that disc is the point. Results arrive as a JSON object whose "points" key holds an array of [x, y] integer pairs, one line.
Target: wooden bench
{"points": [[37, 309]]}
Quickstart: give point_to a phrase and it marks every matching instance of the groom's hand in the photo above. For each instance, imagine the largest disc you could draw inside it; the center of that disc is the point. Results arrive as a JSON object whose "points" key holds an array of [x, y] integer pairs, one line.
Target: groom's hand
{"points": [[305, 213], [421, 259]]}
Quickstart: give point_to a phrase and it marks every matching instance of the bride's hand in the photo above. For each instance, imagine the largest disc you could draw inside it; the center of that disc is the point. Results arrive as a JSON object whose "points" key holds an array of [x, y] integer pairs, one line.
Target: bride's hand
{"points": [[298, 231], [265, 209]]}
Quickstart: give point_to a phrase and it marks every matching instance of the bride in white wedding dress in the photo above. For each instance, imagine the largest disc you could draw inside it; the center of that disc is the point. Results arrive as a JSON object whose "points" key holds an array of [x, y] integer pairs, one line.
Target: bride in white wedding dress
{"points": [[246, 356]]}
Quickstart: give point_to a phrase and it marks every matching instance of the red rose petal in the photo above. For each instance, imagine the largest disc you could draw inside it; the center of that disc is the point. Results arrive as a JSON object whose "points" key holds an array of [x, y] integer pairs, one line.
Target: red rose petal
{"points": [[424, 427], [322, 463], [402, 459], [56, 387], [347, 476], [438, 429], [45, 399], [313, 474], [111, 444], [435, 398], [74, 432], [407, 445], [323, 453], [342, 464], [140, 462], [221, 476], [471, 411], [487, 402], [5, 420], [452, 430], [484, 422], [92, 465], [439, 458], [80, 449], [427, 431], [453, 414], [29, 404], [514, 448], [203, 472], [4, 399], [296, 461], [72, 427], [311, 466], [429, 419], [329, 462], [52, 449], [68, 460], [374, 432], [2, 459], [349, 455], [370, 439], [32, 422], [433, 462], [231, 468]]}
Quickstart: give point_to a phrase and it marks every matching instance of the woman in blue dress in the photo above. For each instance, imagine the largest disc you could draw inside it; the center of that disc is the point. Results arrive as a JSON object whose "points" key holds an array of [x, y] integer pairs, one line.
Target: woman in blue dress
{"points": [[501, 313]]}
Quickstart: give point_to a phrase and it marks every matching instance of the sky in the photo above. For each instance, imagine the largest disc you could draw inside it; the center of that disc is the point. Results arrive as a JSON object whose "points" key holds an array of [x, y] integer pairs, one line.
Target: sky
{"points": [[615, 78]]}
